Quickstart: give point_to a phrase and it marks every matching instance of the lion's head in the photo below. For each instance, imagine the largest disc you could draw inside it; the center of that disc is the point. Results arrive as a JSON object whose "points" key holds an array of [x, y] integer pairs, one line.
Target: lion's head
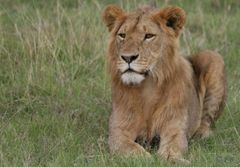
{"points": [[141, 40]]}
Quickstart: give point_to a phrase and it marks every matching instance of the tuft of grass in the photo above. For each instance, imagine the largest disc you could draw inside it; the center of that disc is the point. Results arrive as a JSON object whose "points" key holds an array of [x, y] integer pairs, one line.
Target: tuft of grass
{"points": [[55, 97]]}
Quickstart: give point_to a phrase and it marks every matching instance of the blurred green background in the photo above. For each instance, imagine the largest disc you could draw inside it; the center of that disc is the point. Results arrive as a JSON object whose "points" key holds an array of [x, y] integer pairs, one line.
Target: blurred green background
{"points": [[55, 97]]}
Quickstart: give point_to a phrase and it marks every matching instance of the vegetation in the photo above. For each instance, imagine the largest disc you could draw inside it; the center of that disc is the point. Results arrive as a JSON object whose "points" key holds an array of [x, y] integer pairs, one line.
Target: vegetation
{"points": [[55, 97]]}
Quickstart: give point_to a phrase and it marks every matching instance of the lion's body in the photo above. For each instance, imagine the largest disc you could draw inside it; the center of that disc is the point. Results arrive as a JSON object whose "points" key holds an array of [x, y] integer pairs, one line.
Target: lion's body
{"points": [[164, 93]]}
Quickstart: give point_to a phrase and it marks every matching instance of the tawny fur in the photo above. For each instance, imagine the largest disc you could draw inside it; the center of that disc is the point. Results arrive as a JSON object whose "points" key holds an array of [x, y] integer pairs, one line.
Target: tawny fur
{"points": [[178, 97]]}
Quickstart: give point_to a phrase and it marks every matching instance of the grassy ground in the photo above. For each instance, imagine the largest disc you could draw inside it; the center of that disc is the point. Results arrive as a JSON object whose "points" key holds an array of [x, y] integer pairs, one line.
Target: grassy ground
{"points": [[54, 92]]}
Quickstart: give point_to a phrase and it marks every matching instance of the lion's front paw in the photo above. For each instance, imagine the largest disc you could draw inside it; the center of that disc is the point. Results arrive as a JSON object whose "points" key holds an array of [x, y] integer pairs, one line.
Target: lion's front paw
{"points": [[182, 161], [203, 132], [147, 154], [140, 152], [174, 157]]}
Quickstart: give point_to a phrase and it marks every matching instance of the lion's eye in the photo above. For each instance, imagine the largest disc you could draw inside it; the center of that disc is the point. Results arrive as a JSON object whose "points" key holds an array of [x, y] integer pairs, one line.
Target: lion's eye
{"points": [[149, 36], [122, 35]]}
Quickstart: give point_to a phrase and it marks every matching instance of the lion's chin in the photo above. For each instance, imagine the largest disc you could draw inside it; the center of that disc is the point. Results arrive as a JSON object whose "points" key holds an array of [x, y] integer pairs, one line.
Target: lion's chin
{"points": [[132, 78]]}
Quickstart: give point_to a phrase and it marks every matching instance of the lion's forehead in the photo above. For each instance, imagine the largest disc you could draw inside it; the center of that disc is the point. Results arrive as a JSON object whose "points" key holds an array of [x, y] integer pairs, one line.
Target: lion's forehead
{"points": [[139, 23]]}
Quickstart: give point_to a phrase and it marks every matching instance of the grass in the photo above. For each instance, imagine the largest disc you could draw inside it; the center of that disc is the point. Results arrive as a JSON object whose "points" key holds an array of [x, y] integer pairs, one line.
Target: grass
{"points": [[55, 98]]}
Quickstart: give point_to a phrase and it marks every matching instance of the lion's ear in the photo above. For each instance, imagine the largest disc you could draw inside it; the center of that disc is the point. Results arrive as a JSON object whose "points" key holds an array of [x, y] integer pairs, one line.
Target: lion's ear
{"points": [[172, 17], [111, 14]]}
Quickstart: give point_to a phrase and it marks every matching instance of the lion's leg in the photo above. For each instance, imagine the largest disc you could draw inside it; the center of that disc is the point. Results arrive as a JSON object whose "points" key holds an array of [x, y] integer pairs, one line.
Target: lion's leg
{"points": [[123, 143], [209, 67], [212, 107], [173, 143]]}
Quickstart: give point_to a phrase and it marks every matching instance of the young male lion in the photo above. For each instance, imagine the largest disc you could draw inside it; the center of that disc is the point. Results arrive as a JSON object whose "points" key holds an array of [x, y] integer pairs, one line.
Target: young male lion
{"points": [[155, 91]]}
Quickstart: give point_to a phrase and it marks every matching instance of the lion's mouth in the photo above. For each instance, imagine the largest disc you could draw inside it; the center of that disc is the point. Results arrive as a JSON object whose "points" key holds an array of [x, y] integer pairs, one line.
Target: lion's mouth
{"points": [[130, 70], [133, 77]]}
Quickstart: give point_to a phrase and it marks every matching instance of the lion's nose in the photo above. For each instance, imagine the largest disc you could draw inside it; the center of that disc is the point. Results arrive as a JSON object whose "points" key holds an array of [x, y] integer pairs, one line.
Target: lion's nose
{"points": [[129, 59]]}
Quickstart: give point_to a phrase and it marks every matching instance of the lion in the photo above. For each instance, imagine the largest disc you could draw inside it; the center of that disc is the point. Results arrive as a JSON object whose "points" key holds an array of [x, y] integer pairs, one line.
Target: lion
{"points": [[155, 90]]}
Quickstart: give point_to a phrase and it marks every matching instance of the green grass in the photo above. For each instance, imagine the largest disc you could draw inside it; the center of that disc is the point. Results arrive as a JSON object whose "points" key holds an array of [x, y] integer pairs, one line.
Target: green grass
{"points": [[55, 97]]}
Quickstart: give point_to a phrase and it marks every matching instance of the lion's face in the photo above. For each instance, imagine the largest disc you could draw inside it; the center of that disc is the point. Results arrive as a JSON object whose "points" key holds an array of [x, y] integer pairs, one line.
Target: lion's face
{"points": [[139, 39]]}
